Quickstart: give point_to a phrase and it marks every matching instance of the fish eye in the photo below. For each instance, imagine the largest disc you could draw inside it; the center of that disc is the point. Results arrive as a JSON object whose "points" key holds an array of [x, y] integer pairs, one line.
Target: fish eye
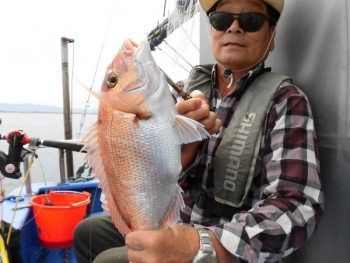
{"points": [[112, 79]]}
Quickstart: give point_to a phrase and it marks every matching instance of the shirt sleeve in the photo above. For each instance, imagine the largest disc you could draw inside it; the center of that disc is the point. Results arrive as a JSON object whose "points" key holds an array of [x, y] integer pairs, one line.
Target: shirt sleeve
{"points": [[289, 202], [183, 175]]}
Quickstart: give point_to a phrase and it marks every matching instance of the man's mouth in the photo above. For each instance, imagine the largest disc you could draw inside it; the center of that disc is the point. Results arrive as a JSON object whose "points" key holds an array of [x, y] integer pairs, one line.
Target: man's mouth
{"points": [[233, 44]]}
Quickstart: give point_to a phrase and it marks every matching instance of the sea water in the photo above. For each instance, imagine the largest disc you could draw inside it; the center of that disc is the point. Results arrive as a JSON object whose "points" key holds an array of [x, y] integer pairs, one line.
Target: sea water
{"points": [[47, 126]]}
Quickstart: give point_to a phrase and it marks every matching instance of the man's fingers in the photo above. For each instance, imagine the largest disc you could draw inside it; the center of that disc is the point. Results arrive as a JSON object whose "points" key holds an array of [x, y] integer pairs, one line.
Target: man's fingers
{"points": [[134, 240], [201, 113], [209, 120], [211, 123], [193, 104], [216, 128], [195, 109], [197, 101], [198, 109], [198, 94]]}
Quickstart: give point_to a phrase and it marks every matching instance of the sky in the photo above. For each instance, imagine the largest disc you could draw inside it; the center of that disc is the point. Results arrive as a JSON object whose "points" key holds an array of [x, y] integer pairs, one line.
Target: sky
{"points": [[30, 46]]}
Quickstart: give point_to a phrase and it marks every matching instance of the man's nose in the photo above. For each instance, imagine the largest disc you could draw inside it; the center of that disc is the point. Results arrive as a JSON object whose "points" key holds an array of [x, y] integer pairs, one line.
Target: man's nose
{"points": [[235, 27]]}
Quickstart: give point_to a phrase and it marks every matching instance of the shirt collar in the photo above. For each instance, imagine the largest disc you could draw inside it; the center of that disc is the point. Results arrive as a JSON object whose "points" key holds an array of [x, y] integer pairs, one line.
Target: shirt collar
{"points": [[247, 78]]}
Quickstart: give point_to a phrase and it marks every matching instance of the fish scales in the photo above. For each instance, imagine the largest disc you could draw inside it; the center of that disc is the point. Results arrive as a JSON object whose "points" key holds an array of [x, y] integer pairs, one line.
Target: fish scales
{"points": [[137, 155], [134, 157]]}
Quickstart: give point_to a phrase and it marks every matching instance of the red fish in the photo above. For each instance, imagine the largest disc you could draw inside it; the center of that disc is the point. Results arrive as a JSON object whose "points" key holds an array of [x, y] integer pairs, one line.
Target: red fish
{"points": [[135, 145]]}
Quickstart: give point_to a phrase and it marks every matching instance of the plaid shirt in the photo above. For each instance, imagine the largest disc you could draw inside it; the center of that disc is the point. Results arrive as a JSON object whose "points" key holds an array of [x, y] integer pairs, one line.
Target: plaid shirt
{"points": [[285, 202]]}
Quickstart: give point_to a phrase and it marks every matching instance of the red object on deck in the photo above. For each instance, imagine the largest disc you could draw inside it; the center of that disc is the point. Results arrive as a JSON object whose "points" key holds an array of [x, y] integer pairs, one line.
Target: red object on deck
{"points": [[55, 222]]}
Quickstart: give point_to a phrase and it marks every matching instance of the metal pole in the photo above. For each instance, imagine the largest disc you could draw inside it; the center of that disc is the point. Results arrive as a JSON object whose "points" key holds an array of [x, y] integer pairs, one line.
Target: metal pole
{"points": [[29, 181], [66, 104], [62, 168]]}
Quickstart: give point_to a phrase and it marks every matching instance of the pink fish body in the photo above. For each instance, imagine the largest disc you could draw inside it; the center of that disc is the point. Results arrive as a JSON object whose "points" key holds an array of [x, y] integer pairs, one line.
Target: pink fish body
{"points": [[135, 146]]}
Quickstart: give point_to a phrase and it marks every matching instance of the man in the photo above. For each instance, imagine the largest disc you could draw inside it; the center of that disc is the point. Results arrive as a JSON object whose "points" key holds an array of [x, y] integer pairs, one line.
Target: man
{"points": [[257, 197]]}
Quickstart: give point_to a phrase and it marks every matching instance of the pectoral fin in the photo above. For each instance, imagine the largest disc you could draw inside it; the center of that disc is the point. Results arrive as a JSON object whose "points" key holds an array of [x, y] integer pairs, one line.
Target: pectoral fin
{"points": [[130, 102], [188, 130]]}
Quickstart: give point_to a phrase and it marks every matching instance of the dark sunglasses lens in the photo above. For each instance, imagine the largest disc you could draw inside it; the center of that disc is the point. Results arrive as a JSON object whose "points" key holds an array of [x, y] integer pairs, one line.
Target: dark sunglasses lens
{"points": [[221, 21], [251, 22]]}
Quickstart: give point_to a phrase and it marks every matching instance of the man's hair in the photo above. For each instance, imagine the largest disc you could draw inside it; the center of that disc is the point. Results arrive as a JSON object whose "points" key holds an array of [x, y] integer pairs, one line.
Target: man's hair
{"points": [[273, 15]]}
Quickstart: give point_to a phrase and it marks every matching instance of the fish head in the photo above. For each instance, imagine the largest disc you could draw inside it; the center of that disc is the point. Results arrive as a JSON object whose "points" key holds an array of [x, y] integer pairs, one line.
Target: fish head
{"points": [[123, 71], [130, 79]]}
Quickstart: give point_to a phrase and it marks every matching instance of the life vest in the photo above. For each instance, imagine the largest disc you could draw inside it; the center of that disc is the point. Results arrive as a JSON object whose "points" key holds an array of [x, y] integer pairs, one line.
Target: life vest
{"points": [[236, 157]]}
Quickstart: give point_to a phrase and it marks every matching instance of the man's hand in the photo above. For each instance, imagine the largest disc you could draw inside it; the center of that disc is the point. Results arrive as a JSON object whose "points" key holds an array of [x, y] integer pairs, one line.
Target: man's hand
{"points": [[198, 109], [176, 244]]}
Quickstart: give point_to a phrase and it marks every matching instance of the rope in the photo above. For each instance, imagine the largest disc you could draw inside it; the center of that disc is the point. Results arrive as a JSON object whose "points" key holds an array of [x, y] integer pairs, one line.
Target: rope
{"points": [[71, 95], [3, 246], [17, 199], [98, 62]]}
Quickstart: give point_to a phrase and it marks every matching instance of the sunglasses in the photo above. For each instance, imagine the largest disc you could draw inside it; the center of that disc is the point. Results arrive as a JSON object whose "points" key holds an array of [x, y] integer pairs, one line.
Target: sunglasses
{"points": [[249, 22]]}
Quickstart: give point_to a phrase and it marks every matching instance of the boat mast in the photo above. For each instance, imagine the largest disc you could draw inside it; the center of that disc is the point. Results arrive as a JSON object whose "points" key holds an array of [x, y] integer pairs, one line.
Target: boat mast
{"points": [[67, 111]]}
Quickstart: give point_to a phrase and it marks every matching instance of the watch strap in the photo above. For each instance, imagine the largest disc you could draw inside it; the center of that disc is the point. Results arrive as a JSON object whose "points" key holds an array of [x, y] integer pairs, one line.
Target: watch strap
{"points": [[206, 252]]}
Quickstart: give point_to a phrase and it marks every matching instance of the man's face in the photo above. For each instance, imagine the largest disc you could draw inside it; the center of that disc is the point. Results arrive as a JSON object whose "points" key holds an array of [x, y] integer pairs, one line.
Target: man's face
{"points": [[236, 49]]}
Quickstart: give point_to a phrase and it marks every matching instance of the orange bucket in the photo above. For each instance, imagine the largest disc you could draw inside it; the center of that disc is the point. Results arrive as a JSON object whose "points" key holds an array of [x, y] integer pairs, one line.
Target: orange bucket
{"points": [[55, 222]]}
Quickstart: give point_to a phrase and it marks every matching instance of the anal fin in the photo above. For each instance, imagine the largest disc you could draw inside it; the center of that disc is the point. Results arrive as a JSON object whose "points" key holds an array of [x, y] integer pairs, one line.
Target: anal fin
{"points": [[174, 213]]}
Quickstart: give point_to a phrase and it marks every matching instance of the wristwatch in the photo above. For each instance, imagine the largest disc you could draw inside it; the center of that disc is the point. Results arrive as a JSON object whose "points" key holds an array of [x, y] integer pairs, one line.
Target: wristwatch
{"points": [[206, 252]]}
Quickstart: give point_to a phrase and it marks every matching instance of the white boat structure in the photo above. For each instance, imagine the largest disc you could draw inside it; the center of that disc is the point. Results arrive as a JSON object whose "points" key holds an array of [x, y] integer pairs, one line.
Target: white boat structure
{"points": [[312, 46]]}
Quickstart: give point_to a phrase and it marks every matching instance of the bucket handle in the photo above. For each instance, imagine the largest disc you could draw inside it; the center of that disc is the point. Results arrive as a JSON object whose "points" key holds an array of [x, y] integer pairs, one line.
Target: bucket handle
{"points": [[74, 192], [80, 203]]}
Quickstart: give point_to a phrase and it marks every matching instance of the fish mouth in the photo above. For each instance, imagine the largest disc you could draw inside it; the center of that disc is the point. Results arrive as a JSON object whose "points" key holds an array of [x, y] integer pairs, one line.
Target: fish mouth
{"points": [[129, 47]]}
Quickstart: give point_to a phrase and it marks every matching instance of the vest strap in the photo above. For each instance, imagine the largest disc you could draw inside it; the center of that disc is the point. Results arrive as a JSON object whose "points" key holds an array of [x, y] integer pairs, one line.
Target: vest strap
{"points": [[237, 154], [204, 202]]}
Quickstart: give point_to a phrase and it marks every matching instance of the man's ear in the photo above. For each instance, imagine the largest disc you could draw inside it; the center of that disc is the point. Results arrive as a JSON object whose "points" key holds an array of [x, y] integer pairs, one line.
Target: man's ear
{"points": [[273, 34]]}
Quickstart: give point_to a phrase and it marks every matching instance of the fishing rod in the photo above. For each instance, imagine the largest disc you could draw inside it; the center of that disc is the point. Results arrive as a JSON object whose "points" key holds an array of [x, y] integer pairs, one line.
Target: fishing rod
{"points": [[183, 12], [182, 93], [10, 163]]}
